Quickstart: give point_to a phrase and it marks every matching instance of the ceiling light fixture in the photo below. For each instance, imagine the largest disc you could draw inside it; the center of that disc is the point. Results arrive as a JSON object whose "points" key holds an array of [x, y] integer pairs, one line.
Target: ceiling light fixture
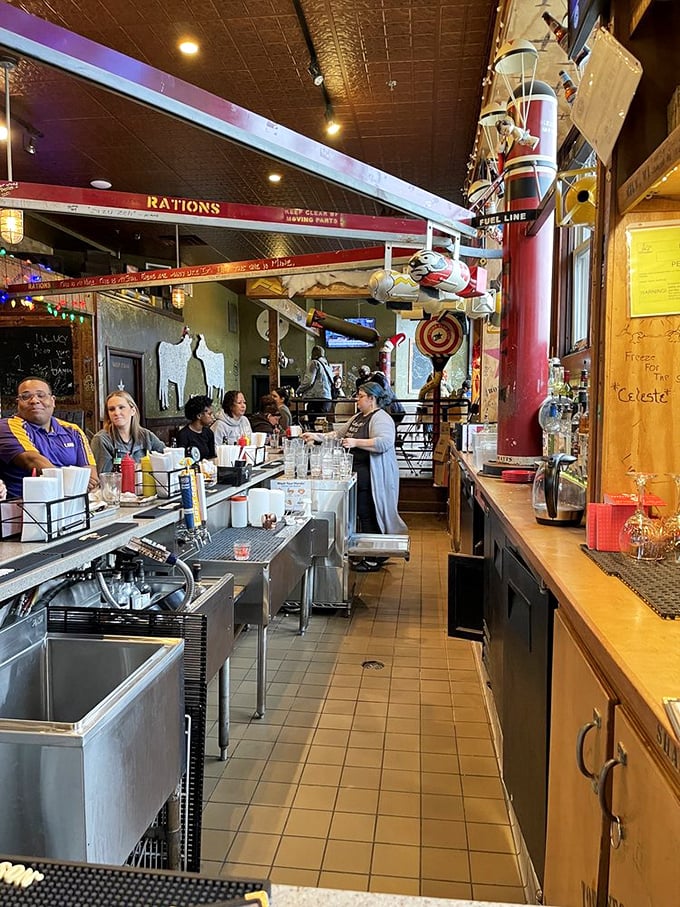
{"points": [[11, 221], [274, 177], [314, 71], [188, 47], [332, 125], [3, 133], [177, 294], [100, 184]]}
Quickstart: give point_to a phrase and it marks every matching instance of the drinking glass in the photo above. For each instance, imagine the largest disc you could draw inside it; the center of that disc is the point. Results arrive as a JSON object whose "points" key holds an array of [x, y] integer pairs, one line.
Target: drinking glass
{"points": [[241, 549], [301, 461], [641, 537], [315, 462], [671, 525], [109, 482]]}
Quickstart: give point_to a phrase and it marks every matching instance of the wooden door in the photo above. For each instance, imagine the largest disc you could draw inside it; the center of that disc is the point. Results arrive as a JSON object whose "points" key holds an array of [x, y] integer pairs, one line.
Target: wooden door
{"points": [[644, 869], [582, 711]]}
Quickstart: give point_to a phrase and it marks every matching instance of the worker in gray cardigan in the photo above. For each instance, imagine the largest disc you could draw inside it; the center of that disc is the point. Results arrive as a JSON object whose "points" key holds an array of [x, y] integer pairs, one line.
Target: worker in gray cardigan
{"points": [[370, 435]]}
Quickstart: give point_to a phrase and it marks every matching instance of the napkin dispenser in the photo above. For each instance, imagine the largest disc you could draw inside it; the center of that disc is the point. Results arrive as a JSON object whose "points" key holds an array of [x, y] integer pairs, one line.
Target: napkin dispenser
{"points": [[238, 474]]}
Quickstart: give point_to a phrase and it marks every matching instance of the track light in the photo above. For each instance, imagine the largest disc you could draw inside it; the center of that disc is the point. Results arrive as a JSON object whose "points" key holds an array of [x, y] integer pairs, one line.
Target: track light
{"points": [[315, 72], [29, 144], [332, 125]]}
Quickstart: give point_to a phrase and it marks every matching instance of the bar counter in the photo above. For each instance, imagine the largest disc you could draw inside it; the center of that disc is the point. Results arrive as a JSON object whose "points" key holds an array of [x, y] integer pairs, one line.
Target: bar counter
{"points": [[93, 542], [638, 651], [290, 896]]}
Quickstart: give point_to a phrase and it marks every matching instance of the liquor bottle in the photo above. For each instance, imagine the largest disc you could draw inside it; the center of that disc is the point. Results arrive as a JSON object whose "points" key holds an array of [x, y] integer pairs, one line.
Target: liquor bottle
{"points": [[569, 87], [575, 423], [581, 56], [551, 430], [132, 589], [142, 585], [583, 432], [127, 470], [560, 31]]}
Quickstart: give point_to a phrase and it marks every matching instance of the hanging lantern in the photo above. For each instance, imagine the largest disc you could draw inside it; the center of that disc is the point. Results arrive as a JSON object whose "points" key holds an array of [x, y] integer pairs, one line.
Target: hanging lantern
{"points": [[177, 297], [11, 225]]}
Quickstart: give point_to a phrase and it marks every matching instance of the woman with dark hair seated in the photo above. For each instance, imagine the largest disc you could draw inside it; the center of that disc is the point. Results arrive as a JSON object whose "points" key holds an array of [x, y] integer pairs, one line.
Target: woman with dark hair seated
{"points": [[267, 419], [196, 437], [282, 398], [232, 424]]}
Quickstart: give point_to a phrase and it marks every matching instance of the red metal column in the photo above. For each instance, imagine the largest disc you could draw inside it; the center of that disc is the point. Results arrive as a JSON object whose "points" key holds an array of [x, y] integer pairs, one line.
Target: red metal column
{"points": [[527, 282]]}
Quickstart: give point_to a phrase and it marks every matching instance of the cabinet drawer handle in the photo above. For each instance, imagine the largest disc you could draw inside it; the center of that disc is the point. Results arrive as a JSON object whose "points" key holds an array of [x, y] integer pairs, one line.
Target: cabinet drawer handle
{"points": [[616, 830], [580, 743]]}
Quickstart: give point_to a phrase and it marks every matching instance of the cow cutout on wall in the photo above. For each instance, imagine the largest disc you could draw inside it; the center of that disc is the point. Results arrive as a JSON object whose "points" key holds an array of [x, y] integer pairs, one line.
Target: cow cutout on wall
{"points": [[173, 362], [213, 368]]}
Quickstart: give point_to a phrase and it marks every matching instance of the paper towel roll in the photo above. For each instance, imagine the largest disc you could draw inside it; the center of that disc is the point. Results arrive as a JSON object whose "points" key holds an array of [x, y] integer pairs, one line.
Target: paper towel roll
{"points": [[258, 505]]}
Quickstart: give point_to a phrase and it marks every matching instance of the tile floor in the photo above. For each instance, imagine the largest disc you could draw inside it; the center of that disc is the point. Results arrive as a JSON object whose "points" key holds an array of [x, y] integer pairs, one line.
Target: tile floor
{"points": [[357, 777]]}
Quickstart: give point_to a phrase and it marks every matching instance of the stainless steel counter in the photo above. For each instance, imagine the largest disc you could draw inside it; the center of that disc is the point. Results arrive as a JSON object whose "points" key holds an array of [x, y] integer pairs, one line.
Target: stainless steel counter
{"points": [[279, 560]]}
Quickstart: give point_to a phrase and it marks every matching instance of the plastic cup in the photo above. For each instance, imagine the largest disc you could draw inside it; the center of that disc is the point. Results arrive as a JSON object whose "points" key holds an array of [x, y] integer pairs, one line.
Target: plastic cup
{"points": [[241, 549], [109, 482]]}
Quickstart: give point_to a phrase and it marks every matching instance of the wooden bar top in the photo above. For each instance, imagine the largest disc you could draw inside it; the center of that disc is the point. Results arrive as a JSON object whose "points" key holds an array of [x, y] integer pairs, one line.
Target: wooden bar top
{"points": [[637, 651]]}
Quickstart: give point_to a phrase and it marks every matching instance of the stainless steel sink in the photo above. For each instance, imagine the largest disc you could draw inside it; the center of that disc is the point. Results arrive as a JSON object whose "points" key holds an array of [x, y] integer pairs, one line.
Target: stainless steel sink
{"points": [[91, 740]]}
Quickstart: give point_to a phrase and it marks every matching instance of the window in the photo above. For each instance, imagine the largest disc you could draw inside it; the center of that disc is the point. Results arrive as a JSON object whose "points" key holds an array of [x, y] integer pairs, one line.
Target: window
{"points": [[579, 307]]}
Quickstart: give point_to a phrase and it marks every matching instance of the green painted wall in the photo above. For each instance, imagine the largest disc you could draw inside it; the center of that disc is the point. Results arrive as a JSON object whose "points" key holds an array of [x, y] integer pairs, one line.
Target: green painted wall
{"points": [[121, 325]]}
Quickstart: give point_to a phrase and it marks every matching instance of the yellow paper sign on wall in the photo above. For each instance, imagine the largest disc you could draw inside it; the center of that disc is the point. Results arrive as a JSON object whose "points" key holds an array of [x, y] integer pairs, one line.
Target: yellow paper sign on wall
{"points": [[654, 270]]}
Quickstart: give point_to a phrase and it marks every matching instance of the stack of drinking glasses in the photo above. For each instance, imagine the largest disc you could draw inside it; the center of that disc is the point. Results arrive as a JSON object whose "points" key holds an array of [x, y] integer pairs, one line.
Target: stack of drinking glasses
{"points": [[315, 461], [290, 446], [301, 459]]}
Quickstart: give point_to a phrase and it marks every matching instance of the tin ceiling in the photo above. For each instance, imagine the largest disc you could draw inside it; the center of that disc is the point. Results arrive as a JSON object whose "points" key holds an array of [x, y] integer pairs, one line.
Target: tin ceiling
{"points": [[404, 79]]}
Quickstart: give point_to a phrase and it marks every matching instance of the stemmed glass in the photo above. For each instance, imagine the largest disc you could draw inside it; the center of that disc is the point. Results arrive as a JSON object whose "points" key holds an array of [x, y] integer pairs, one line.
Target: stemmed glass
{"points": [[671, 525], [640, 537]]}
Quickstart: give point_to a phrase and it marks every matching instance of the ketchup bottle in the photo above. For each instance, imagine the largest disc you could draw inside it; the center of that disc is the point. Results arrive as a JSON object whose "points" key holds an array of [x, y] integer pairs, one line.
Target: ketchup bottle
{"points": [[127, 469]]}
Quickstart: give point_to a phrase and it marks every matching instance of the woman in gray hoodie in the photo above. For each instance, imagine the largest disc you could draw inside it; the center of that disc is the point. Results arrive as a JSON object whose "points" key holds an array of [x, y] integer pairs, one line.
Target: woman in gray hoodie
{"points": [[232, 424]]}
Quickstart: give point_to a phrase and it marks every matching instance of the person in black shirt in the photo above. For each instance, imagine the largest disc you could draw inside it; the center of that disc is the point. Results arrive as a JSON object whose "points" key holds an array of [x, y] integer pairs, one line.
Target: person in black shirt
{"points": [[196, 437]]}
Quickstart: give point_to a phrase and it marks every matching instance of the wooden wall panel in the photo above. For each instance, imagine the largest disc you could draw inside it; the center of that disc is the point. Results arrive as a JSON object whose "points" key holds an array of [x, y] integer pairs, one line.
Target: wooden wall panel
{"points": [[640, 397]]}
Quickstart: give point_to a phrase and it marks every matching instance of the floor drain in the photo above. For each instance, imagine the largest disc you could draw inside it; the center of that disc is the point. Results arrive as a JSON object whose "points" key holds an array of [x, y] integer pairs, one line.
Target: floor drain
{"points": [[372, 665]]}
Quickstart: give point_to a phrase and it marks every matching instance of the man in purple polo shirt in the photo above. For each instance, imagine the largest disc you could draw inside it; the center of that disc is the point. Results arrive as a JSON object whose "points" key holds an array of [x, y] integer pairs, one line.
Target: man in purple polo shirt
{"points": [[34, 439]]}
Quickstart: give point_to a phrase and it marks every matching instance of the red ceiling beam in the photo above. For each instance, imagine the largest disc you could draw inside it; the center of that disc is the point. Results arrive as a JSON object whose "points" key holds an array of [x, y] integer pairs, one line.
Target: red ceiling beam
{"points": [[61, 49], [230, 270], [207, 213]]}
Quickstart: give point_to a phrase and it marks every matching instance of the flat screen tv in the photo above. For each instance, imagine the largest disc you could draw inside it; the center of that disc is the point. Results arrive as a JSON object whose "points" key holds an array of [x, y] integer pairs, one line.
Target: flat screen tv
{"points": [[582, 16], [338, 342]]}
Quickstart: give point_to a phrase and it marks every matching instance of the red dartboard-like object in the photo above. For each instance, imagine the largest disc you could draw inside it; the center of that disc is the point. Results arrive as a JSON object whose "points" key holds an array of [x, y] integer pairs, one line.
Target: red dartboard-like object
{"points": [[439, 336]]}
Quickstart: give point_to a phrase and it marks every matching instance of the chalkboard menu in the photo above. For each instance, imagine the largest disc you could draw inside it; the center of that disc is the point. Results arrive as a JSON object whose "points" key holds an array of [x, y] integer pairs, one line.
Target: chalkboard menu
{"points": [[46, 352]]}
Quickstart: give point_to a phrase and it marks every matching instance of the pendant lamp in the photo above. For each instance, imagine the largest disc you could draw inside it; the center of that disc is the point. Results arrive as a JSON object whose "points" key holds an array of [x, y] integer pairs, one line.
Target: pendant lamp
{"points": [[177, 294], [11, 220]]}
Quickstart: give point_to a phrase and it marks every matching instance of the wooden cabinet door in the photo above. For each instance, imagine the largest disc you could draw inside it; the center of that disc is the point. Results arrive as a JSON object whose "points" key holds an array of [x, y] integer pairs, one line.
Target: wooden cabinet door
{"points": [[576, 845], [644, 869]]}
